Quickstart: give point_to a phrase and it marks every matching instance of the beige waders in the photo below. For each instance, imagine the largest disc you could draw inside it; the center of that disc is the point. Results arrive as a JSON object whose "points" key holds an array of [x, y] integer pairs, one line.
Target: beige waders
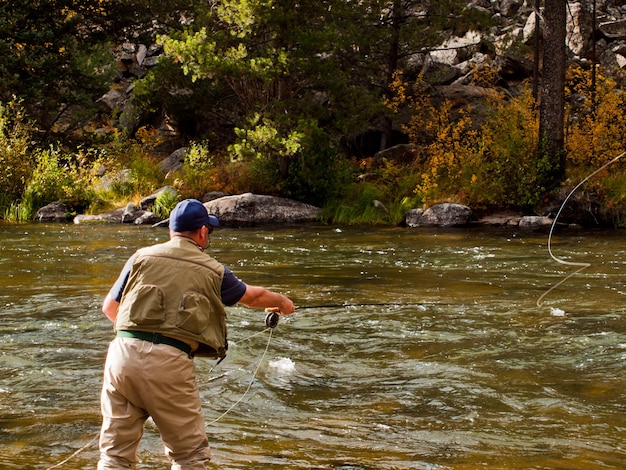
{"points": [[141, 380]]}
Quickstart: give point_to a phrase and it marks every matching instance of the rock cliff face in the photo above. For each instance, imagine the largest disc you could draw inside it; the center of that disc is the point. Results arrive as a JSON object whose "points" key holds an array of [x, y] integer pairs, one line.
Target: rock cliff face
{"points": [[447, 68]]}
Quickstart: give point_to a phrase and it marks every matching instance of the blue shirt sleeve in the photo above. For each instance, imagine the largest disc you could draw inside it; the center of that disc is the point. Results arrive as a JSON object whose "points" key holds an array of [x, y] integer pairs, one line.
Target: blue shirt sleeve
{"points": [[118, 288], [232, 287]]}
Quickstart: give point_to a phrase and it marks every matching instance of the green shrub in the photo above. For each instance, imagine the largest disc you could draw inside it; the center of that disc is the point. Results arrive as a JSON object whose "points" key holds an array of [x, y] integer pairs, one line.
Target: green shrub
{"points": [[165, 202], [269, 148], [357, 206], [56, 178], [383, 198], [198, 171], [291, 159], [16, 211], [132, 171], [17, 160], [316, 173], [145, 175]]}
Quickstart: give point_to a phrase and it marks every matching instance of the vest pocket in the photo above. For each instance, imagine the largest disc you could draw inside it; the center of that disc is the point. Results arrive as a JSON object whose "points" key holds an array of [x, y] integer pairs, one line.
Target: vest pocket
{"points": [[199, 317], [194, 313], [146, 305]]}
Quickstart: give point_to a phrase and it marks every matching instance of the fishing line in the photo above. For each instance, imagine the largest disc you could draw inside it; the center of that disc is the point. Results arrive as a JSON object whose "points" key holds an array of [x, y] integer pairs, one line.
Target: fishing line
{"points": [[581, 266], [254, 374], [75, 453]]}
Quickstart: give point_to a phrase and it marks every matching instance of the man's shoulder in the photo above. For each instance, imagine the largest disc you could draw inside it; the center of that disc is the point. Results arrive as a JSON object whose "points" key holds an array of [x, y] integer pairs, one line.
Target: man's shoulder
{"points": [[182, 249]]}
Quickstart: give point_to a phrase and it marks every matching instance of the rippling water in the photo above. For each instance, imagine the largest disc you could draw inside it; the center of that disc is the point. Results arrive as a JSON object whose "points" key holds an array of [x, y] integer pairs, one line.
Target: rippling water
{"points": [[459, 369]]}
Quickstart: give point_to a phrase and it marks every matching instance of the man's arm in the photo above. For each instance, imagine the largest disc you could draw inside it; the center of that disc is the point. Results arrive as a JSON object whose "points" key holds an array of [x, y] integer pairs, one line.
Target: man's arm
{"points": [[109, 307], [112, 300], [260, 297]]}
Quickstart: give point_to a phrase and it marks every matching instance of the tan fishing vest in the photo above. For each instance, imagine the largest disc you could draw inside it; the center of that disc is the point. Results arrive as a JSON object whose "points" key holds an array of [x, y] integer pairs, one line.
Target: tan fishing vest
{"points": [[174, 289]]}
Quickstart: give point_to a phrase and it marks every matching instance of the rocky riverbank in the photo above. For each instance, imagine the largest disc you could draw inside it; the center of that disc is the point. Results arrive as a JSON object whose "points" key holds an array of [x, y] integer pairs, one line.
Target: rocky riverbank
{"points": [[254, 210]]}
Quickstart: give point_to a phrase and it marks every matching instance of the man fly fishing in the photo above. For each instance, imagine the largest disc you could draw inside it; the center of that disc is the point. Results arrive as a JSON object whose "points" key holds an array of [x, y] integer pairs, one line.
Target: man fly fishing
{"points": [[167, 306]]}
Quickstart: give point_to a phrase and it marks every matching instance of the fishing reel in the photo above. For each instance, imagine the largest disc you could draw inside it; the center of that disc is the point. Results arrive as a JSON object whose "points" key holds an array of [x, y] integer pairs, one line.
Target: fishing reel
{"points": [[271, 319]]}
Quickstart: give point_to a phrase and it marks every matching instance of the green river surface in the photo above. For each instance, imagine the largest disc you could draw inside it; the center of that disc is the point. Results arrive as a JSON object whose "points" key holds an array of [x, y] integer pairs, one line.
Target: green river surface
{"points": [[459, 369]]}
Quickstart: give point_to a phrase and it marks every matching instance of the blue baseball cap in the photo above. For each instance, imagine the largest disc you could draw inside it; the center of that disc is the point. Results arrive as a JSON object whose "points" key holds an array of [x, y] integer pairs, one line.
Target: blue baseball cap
{"points": [[191, 214]]}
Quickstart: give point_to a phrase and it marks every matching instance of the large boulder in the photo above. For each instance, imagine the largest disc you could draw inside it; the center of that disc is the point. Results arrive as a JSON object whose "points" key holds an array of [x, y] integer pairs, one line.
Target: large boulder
{"points": [[439, 215], [174, 161], [245, 210], [111, 101], [56, 211]]}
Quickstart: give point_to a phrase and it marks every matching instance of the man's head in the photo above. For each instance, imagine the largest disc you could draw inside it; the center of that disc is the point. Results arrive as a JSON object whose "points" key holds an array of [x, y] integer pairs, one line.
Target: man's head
{"points": [[190, 215]]}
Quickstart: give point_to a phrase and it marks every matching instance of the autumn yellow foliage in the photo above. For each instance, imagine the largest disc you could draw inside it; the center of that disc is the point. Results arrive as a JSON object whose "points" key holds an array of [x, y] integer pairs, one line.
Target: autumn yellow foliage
{"points": [[595, 128], [491, 164]]}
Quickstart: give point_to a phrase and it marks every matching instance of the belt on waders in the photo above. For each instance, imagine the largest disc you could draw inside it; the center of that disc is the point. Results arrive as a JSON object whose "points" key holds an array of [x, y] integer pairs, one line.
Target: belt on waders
{"points": [[156, 338]]}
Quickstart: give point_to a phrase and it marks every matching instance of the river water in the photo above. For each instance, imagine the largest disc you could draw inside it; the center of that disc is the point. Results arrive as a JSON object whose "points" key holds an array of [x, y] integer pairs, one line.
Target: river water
{"points": [[418, 349]]}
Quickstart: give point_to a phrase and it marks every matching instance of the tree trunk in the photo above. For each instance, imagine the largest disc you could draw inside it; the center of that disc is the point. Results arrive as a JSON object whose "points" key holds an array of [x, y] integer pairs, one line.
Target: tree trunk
{"points": [[552, 106], [392, 65]]}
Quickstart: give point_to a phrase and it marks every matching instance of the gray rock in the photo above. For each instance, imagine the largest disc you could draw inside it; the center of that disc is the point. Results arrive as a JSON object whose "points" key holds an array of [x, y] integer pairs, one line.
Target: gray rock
{"points": [[110, 217], [510, 7], [111, 101], [147, 218], [211, 195], [439, 215], [131, 213], [614, 29], [174, 161], [501, 220], [254, 209], [534, 222], [56, 211], [147, 202]]}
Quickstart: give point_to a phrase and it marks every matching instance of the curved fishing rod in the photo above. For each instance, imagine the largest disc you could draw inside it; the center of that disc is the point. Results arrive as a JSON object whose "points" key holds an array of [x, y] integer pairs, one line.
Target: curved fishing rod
{"points": [[581, 266], [375, 304]]}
